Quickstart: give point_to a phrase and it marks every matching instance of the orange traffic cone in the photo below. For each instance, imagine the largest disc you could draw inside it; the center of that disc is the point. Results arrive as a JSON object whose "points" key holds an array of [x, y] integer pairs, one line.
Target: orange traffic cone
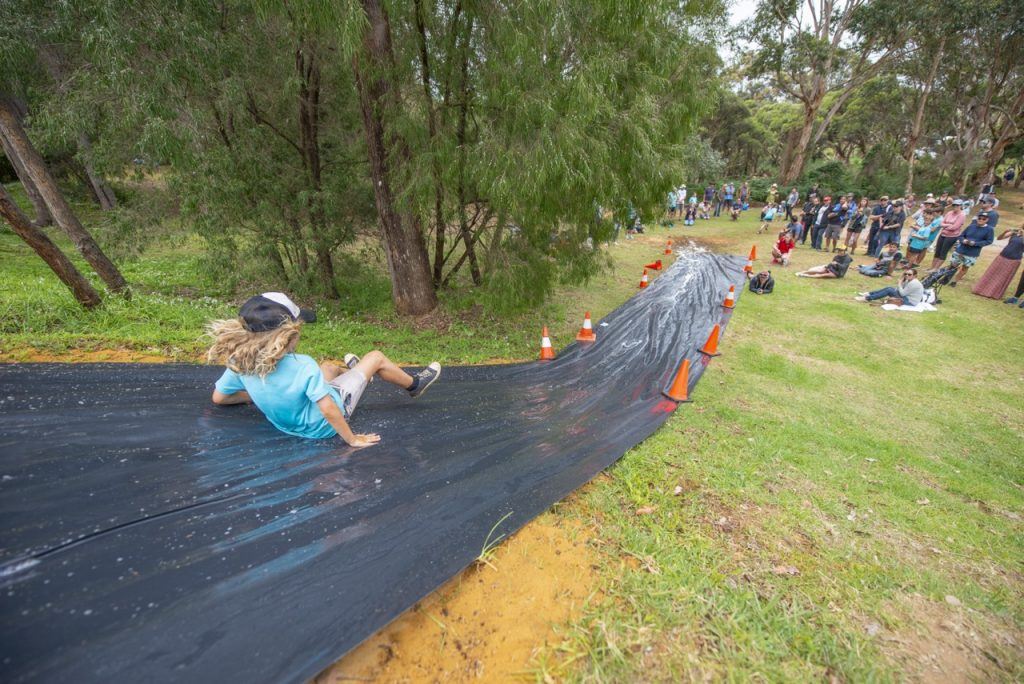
{"points": [[753, 253], [654, 265], [680, 385], [730, 298], [710, 347], [749, 268], [586, 333], [643, 280], [668, 247], [546, 351]]}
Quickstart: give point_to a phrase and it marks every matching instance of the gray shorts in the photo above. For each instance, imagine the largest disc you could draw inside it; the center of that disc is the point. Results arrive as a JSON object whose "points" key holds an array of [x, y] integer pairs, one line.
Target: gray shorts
{"points": [[833, 231], [350, 386]]}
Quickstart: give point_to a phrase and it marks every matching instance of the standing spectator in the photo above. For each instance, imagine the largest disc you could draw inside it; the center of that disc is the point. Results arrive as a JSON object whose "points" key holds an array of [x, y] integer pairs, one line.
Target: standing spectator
{"points": [[1001, 271], [681, 198], [745, 196], [820, 221], [719, 194], [773, 194], [879, 215], [725, 198], [791, 201], [944, 200], [926, 228], [952, 225], [909, 292], [835, 218], [893, 226], [671, 203], [813, 190], [909, 203], [709, 193], [783, 248], [767, 216], [1010, 174], [809, 214], [969, 244], [989, 204], [858, 220]]}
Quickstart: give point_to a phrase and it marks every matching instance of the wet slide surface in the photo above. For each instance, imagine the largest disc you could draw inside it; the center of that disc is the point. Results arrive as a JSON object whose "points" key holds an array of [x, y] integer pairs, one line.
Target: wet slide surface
{"points": [[151, 536]]}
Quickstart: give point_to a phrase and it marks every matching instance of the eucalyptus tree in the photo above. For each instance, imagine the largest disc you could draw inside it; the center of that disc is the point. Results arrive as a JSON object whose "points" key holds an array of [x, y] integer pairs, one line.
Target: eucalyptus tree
{"points": [[809, 49]]}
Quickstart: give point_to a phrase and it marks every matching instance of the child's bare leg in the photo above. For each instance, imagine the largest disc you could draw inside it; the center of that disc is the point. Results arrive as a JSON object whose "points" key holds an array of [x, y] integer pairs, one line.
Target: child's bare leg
{"points": [[330, 370], [375, 363]]}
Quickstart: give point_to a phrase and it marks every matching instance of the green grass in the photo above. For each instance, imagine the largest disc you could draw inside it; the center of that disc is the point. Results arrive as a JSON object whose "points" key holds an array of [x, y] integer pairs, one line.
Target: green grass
{"points": [[812, 443]]}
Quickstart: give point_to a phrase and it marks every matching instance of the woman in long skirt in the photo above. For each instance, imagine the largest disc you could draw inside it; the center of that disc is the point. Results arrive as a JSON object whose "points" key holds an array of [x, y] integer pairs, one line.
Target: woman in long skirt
{"points": [[1000, 272]]}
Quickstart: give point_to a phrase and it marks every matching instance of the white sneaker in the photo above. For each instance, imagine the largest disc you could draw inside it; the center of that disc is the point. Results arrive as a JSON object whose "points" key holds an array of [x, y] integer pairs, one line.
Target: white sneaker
{"points": [[860, 298], [351, 360]]}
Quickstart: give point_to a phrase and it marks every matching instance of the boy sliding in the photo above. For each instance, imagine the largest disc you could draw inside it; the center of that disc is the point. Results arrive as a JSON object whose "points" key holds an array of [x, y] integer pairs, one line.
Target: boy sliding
{"points": [[296, 395]]}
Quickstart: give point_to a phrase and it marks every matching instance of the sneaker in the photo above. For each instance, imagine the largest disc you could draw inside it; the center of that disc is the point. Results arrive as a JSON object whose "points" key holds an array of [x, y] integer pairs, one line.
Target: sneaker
{"points": [[426, 378], [1010, 300], [953, 284], [860, 298], [1021, 305], [351, 360]]}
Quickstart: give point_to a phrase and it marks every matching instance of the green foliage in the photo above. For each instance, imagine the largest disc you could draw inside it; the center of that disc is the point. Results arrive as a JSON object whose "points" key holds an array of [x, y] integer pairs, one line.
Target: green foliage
{"points": [[831, 176]]}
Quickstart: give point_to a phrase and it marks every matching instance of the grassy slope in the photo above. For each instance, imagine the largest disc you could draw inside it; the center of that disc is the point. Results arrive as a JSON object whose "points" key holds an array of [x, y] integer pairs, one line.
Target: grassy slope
{"points": [[810, 448]]}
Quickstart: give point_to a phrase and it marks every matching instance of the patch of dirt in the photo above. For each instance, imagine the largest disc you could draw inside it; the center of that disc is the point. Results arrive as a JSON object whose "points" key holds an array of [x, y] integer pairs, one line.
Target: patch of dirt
{"points": [[488, 623], [948, 642], [30, 355]]}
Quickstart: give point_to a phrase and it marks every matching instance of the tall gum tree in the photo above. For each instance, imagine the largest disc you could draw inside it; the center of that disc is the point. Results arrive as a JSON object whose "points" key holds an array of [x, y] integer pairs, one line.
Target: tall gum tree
{"points": [[808, 49]]}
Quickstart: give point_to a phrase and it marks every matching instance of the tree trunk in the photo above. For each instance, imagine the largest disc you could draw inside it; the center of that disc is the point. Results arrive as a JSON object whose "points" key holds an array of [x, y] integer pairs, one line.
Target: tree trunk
{"points": [[428, 97], [21, 146], [49, 252], [308, 66], [798, 156], [43, 217], [474, 267], [100, 189], [411, 287], [1008, 134], [909, 153]]}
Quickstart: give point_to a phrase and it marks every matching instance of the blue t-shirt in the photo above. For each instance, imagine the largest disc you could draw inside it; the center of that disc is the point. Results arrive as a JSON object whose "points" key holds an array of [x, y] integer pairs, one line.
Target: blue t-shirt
{"points": [[288, 396]]}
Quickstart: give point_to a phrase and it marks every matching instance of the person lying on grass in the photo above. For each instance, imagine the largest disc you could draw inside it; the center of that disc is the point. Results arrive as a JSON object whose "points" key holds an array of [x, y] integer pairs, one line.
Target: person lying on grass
{"points": [[909, 292], [834, 269], [884, 264], [762, 283], [296, 395]]}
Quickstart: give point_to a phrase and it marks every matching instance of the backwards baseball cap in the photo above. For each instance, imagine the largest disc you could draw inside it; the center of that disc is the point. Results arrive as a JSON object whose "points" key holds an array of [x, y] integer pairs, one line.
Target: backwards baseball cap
{"points": [[988, 199], [270, 310]]}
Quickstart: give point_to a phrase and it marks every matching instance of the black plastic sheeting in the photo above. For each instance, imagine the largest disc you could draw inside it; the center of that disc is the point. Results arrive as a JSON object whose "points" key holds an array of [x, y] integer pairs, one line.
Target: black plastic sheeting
{"points": [[151, 536]]}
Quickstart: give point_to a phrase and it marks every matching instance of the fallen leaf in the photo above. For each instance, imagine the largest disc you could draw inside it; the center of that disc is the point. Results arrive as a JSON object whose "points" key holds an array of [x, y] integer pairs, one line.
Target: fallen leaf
{"points": [[952, 600], [871, 460], [785, 570], [872, 628], [678, 490], [852, 516], [646, 510], [923, 502]]}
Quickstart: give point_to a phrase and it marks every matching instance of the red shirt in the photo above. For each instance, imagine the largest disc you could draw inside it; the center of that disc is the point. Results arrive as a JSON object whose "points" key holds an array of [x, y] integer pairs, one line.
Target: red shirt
{"points": [[784, 245]]}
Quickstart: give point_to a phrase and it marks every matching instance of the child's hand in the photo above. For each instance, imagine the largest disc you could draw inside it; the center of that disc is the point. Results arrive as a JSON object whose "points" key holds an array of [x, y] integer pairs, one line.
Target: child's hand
{"points": [[366, 440]]}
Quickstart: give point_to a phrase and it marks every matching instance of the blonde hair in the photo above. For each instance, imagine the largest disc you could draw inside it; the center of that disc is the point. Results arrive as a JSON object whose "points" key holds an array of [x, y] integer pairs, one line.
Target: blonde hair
{"points": [[249, 353]]}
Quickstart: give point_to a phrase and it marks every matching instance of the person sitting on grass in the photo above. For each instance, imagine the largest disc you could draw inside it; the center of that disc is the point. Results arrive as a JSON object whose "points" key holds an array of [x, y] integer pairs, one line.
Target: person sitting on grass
{"points": [[796, 227], [296, 395], [691, 214], [762, 283], [834, 269], [885, 264], [767, 216], [734, 211], [705, 210], [783, 248], [909, 292]]}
